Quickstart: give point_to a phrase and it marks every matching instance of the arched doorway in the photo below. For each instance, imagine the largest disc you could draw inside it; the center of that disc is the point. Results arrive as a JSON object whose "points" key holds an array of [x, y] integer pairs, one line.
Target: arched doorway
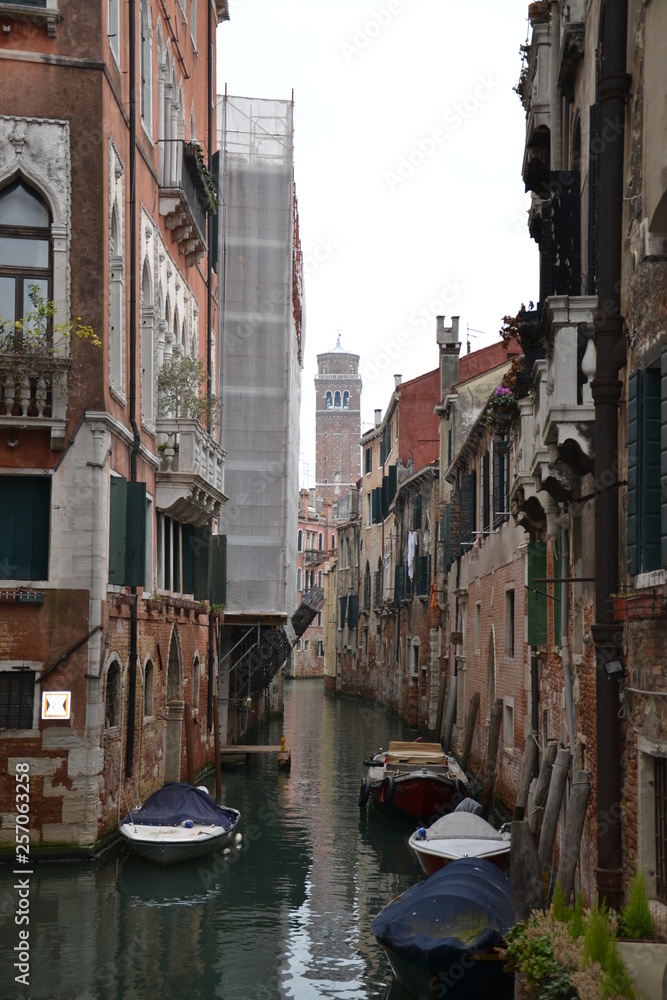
{"points": [[172, 748]]}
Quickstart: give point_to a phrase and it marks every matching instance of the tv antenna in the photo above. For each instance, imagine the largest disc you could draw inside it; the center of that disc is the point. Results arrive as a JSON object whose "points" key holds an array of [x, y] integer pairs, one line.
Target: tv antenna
{"points": [[472, 329]]}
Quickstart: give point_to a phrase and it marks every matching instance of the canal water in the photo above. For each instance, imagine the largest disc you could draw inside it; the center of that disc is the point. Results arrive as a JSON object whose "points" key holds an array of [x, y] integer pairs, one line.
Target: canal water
{"points": [[286, 916]]}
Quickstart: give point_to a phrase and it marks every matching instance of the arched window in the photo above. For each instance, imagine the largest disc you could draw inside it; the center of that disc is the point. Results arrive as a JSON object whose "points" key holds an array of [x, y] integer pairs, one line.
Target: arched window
{"points": [[329, 399], [116, 303], [346, 400], [146, 67], [147, 349], [337, 400], [298, 578], [195, 683], [112, 696], [300, 542], [320, 541], [333, 541], [319, 578], [149, 689], [25, 251]]}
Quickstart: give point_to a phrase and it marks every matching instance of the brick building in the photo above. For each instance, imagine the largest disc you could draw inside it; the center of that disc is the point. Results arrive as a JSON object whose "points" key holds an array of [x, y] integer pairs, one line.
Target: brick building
{"points": [[109, 488], [337, 422], [316, 543]]}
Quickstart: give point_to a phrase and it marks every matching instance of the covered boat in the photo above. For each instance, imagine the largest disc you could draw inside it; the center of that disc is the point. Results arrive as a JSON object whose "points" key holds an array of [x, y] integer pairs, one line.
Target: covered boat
{"points": [[177, 823], [459, 835], [418, 780], [441, 935]]}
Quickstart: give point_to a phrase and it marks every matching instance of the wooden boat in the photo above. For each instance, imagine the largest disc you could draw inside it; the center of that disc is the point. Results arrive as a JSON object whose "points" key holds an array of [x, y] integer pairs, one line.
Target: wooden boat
{"points": [[459, 835], [177, 823], [441, 935], [417, 780]]}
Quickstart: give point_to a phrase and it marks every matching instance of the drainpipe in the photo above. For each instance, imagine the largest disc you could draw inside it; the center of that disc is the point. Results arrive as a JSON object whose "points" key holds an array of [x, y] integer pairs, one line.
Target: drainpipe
{"points": [[613, 87], [132, 37], [564, 628]]}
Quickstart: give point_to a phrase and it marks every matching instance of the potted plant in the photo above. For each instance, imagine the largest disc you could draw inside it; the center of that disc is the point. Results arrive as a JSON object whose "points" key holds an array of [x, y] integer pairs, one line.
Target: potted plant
{"points": [[502, 408], [539, 13], [631, 605]]}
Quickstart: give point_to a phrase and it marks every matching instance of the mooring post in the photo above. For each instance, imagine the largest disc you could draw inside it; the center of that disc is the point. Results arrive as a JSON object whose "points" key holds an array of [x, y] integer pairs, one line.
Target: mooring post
{"points": [[187, 715], [542, 789], [526, 882], [216, 747], [470, 729], [576, 814], [492, 755], [529, 755], [559, 774]]}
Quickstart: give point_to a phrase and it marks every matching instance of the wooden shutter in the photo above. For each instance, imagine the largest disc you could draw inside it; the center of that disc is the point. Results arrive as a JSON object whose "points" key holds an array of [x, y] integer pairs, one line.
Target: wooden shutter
{"points": [[376, 505], [467, 509], [650, 472], [455, 525], [117, 529], [342, 601], [219, 569], [392, 482], [200, 543], [446, 537], [536, 601], [423, 576], [352, 611], [135, 535], [417, 512], [25, 513], [399, 583], [486, 495]]}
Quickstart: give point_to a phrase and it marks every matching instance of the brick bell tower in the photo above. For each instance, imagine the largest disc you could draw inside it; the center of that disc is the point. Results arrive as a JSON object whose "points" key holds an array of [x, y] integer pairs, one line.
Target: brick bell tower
{"points": [[337, 422]]}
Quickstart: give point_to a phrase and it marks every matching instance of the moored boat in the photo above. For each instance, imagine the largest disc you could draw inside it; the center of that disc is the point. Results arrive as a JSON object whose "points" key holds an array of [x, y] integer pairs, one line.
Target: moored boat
{"points": [[417, 780], [177, 823], [459, 835], [441, 935]]}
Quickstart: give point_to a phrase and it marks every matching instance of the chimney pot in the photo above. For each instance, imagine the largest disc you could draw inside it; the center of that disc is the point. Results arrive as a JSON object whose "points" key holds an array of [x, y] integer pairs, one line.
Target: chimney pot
{"points": [[378, 417], [397, 381]]}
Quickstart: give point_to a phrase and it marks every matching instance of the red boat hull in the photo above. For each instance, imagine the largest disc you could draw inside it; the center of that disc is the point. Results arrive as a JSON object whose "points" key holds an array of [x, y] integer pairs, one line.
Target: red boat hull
{"points": [[418, 796]]}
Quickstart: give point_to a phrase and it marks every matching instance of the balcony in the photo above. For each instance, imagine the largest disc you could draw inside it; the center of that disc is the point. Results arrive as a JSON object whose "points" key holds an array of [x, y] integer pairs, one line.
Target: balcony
{"points": [[33, 394], [190, 478], [34, 11], [187, 194]]}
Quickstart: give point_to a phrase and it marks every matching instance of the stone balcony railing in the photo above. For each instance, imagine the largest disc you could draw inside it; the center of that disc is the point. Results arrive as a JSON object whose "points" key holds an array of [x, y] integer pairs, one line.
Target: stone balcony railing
{"points": [[189, 482], [183, 198], [36, 398]]}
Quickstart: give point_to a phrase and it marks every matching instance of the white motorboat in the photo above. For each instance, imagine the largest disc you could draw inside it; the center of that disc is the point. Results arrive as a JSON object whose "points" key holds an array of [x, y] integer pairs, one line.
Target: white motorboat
{"points": [[459, 835]]}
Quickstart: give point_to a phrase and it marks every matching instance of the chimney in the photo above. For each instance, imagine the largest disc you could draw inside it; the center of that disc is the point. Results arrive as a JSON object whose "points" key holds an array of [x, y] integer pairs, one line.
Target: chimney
{"points": [[378, 417], [447, 338], [397, 381], [311, 499]]}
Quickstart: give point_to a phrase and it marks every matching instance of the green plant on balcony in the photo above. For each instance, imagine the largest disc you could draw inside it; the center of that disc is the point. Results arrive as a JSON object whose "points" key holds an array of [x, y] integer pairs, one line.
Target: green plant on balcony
{"points": [[207, 186], [32, 347], [501, 408], [181, 386]]}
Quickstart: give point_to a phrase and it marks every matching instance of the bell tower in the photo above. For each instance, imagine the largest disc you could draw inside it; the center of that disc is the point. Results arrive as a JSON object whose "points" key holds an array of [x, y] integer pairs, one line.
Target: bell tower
{"points": [[337, 422]]}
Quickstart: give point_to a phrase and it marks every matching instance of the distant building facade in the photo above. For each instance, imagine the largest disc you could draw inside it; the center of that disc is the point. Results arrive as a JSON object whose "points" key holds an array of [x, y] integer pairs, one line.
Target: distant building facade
{"points": [[337, 422]]}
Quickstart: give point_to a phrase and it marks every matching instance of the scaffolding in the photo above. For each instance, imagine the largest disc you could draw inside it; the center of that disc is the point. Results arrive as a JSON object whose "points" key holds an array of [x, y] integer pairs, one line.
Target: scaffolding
{"points": [[261, 349]]}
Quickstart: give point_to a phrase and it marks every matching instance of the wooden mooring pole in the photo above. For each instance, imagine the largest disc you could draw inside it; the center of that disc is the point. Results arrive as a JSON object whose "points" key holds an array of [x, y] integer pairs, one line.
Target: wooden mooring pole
{"points": [[529, 755], [559, 774], [542, 789], [470, 729], [576, 814], [441, 706], [491, 757], [187, 715], [526, 882], [216, 747]]}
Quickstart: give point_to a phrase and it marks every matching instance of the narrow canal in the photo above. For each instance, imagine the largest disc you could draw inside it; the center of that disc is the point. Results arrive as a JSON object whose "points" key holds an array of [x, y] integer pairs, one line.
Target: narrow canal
{"points": [[286, 916]]}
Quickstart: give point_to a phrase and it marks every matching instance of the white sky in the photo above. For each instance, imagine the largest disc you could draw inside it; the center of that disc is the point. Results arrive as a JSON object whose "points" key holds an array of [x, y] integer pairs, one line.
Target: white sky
{"points": [[408, 149]]}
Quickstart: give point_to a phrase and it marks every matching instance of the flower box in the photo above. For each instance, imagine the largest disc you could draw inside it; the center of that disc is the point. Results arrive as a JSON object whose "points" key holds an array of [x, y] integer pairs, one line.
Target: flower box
{"points": [[633, 607]]}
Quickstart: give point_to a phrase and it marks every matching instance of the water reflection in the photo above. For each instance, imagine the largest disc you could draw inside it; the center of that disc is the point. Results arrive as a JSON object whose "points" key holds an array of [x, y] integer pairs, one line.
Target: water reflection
{"points": [[287, 916]]}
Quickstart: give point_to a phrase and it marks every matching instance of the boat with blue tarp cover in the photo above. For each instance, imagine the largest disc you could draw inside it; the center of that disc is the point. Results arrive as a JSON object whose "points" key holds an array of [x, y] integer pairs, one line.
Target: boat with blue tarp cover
{"points": [[177, 823], [441, 936]]}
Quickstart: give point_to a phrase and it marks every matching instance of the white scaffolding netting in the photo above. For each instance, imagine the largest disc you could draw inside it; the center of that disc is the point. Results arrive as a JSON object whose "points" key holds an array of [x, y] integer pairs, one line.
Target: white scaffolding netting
{"points": [[261, 345]]}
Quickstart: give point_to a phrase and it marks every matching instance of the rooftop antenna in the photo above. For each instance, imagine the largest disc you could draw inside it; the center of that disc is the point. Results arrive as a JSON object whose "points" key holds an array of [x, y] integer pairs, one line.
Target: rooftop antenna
{"points": [[468, 330]]}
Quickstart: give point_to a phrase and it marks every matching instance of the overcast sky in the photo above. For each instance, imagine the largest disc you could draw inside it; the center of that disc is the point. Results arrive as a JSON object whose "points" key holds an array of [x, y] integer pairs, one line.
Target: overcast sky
{"points": [[407, 155]]}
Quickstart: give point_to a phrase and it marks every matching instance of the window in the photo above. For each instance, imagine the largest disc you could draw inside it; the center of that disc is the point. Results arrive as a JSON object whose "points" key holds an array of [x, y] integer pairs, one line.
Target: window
{"points": [[508, 718], [346, 400], [367, 588], [368, 461], [319, 619], [329, 400], [647, 547], [112, 697], [300, 541], [25, 514], [320, 541], [149, 689], [414, 658], [485, 495], [116, 302], [319, 581], [146, 67], [298, 579], [114, 29], [509, 623], [25, 251], [320, 648], [364, 641], [195, 683], [417, 512], [501, 487], [193, 22], [333, 541], [306, 645], [478, 626], [17, 698], [423, 577], [337, 400]]}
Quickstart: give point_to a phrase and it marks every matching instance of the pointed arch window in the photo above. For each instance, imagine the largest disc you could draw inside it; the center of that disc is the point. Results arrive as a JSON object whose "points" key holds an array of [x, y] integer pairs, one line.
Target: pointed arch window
{"points": [[298, 578], [146, 53], [25, 251], [346, 400], [329, 399], [300, 541], [337, 400]]}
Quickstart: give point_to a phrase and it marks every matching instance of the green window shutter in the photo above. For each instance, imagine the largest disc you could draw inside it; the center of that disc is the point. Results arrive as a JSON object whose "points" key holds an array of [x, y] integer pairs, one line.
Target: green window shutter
{"points": [[201, 545], [393, 480], [342, 602], [376, 505], [219, 569], [117, 529], [385, 496], [423, 576], [188, 558], [135, 535], [536, 603], [632, 523], [455, 525], [467, 508], [446, 535], [25, 515], [353, 611], [651, 487], [399, 583], [168, 528], [417, 512], [663, 458]]}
